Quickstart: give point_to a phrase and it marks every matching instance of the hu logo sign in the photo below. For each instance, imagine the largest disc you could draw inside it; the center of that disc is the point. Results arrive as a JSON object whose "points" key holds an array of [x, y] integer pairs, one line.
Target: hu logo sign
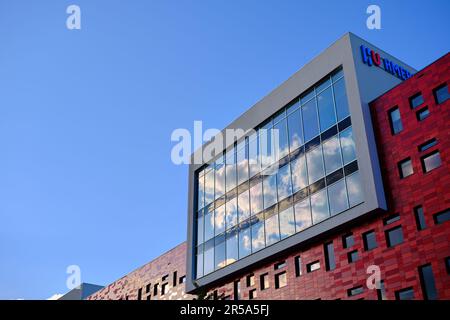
{"points": [[370, 57]]}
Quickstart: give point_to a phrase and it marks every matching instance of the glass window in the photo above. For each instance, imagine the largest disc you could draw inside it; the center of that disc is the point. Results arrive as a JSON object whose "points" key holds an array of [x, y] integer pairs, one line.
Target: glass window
{"points": [[405, 168], [231, 213], [347, 145], [272, 230], [427, 282], [431, 161], [332, 154], [354, 189], [252, 294], [370, 240], [284, 182], [232, 246], [394, 236], [250, 280], [298, 266], [427, 145], [264, 281], [422, 114], [245, 241], [441, 94], [314, 162], [391, 219], [242, 163], [209, 226], [243, 206], [310, 121], [352, 256], [416, 100], [209, 187], [256, 200], [270, 190], [322, 85], [327, 118], [219, 220], [258, 238], [287, 223], [220, 181], [395, 121], [313, 266], [348, 241], [405, 294], [266, 146], [355, 291], [330, 260], [338, 197], [295, 130], [319, 206], [200, 230], [230, 165], [219, 252], [199, 265], [209, 258], [299, 177], [302, 215], [442, 217], [420, 218], [340, 98], [280, 140], [280, 280], [201, 191]]}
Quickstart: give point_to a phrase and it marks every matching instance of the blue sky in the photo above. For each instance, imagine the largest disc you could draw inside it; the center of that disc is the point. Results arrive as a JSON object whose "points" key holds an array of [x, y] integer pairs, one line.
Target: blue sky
{"points": [[86, 115]]}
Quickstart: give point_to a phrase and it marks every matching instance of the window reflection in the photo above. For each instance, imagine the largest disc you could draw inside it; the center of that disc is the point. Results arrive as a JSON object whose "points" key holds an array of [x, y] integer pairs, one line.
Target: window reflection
{"points": [[231, 213], [256, 203], [347, 145], [242, 163], [243, 206], [295, 130], [338, 197], [253, 150], [219, 252], [299, 177], [310, 121], [201, 191], [230, 165], [220, 220], [287, 223], [332, 155], [199, 265], [200, 229], [284, 182], [326, 109], [355, 193], [232, 246], [209, 186], [220, 181], [302, 215], [281, 139], [266, 146], [258, 235], [209, 226], [314, 162], [270, 190], [245, 241], [340, 98], [272, 230], [319, 206], [208, 264]]}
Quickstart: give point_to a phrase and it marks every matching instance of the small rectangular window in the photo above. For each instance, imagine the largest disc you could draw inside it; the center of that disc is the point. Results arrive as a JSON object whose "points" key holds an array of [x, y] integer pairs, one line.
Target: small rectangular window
{"points": [[441, 94], [422, 114], [313, 266], [427, 145], [139, 296], [370, 240], [416, 100], [252, 294], [420, 218], [405, 168], [394, 236], [431, 161], [279, 265], [250, 280], [280, 280], [164, 288], [165, 277], [352, 256], [442, 217], [155, 289], [348, 241], [355, 291], [404, 294], [395, 121], [330, 261], [391, 219], [237, 290], [175, 279], [298, 266], [427, 282], [147, 288], [264, 281], [447, 264]]}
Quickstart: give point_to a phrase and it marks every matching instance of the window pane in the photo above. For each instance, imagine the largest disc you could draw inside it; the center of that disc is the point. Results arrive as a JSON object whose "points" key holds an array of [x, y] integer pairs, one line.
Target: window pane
{"points": [[219, 252], [245, 242], [209, 187], [199, 265], [416, 101], [428, 283], [370, 240], [253, 150], [209, 226], [302, 215], [330, 259], [441, 94], [347, 145], [395, 121], [231, 213], [243, 206], [284, 182], [326, 109], [209, 260], [270, 190], [200, 230], [220, 181], [310, 121], [201, 191], [394, 236], [299, 178], [314, 162], [338, 197], [405, 168], [272, 230], [287, 223], [319, 206], [280, 139], [258, 242], [266, 146], [220, 220], [295, 130], [406, 294], [242, 163], [340, 98], [332, 154], [256, 203], [230, 165], [431, 162], [354, 189], [232, 247]]}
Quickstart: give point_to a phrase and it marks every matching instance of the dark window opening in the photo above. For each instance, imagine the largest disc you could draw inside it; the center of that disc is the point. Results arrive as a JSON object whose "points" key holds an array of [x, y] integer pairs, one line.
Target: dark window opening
{"points": [[164, 288], [139, 295], [250, 280], [237, 290], [352, 256], [422, 114], [175, 279], [395, 121], [404, 294], [280, 280], [182, 279], [427, 145], [431, 161], [252, 294], [394, 236], [348, 241], [420, 218], [355, 291], [442, 217], [370, 240], [427, 282], [381, 291], [330, 261], [298, 266], [416, 100], [279, 265], [441, 94], [405, 168], [313, 266]]}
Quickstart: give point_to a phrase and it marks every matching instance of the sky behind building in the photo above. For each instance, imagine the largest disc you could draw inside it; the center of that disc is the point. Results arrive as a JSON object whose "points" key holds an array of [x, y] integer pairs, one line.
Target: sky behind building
{"points": [[86, 115]]}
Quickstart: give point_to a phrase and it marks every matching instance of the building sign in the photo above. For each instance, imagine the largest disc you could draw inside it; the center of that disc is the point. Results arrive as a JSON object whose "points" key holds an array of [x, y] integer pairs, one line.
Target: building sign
{"points": [[371, 57]]}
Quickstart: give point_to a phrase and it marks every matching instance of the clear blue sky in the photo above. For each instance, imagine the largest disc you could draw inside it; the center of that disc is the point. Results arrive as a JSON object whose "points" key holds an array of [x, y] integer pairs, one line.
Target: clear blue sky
{"points": [[86, 116]]}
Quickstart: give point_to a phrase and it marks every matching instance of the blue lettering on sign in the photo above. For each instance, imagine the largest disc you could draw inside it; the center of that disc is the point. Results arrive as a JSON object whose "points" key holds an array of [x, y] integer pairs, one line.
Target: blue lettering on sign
{"points": [[373, 58]]}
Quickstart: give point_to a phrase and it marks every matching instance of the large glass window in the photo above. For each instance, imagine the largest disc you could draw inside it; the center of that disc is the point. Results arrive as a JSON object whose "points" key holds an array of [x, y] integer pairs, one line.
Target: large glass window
{"points": [[427, 282], [281, 139], [319, 206], [270, 190], [232, 246], [326, 109], [258, 238], [253, 151], [431, 161], [220, 181], [347, 145], [314, 162], [354, 188], [299, 176], [230, 165], [332, 154], [209, 186], [310, 121], [295, 130], [209, 226], [242, 162], [302, 215], [243, 206], [231, 213], [266, 145], [340, 98], [441, 94], [272, 230], [284, 182], [199, 264], [287, 223], [219, 224], [337, 194], [219, 252], [201, 191], [256, 199], [395, 121], [209, 257], [200, 231], [245, 241]]}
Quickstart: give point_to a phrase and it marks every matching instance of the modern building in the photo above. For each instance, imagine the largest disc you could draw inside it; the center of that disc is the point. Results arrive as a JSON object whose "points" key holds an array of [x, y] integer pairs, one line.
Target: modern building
{"points": [[322, 185], [161, 279], [81, 292]]}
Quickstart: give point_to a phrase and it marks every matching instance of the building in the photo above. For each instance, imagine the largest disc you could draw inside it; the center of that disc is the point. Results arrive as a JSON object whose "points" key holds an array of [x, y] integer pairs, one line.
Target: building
{"points": [[161, 279], [81, 292], [323, 184]]}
